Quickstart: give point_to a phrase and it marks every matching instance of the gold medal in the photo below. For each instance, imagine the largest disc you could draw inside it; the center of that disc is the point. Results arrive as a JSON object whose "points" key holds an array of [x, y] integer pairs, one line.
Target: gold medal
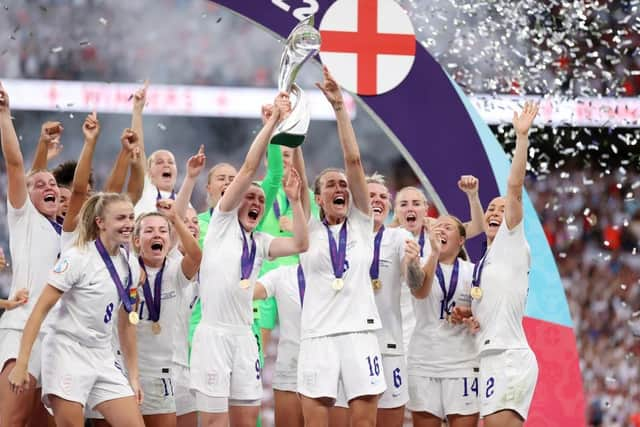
{"points": [[376, 283], [155, 328], [338, 284], [134, 319], [245, 283], [476, 292]]}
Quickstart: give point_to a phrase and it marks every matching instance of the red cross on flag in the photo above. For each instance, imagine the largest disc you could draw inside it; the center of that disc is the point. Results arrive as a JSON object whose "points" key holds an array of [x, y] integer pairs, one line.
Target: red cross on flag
{"points": [[369, 45]]}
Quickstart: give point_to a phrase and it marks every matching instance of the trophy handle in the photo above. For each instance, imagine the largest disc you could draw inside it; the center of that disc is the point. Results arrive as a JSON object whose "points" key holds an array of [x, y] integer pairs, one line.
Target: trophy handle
{"points": [[293, 129]]}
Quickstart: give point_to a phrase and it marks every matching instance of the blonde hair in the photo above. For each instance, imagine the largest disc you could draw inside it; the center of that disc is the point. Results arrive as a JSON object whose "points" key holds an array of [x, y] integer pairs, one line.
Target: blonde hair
{"points": [[376, 178], [216, 167], [396, 221], [152, 157], [93, 208], [138, 226], [33, 172]]}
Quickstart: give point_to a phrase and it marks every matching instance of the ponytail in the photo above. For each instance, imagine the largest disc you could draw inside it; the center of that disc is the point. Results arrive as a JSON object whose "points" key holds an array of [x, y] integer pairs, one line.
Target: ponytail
{"points": [[93, 208]]}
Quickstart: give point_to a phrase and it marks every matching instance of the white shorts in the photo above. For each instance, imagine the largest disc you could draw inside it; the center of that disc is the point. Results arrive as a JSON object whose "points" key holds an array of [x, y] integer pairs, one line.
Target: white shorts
{"points": [[285, 376], [396, 376], [159, 395], [352, 359], [80, 374], [185, 397], [225, 363], [10, 347], [444, 396], [507, 381]]}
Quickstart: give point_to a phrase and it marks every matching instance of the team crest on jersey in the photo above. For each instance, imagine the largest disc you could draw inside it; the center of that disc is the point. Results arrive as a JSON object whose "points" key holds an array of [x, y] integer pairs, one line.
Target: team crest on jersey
{"points": [[61, 266]]}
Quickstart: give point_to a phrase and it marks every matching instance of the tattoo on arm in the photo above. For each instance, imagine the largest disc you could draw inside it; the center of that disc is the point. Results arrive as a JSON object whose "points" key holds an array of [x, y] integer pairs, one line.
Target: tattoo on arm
{"points": [[415, 275]]}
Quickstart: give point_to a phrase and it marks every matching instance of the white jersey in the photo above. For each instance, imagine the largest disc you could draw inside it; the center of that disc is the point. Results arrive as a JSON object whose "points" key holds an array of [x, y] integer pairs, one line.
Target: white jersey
{"points": [[388, 296], [406, 299], [68, 239], [189, 296], [282, 283], [155, 352], [353, 308], [90, 301], [505, 284], [34, 246], [438, 348], [150, 196], [223, 300]]}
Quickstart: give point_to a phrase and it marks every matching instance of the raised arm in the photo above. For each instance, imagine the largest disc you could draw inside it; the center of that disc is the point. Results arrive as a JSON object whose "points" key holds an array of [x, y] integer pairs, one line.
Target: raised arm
{"points": [[298, 165], [348, 142], [48, 146], [429, 268], [521, 123], [469, 185], [139, 101], [192, 252], [275, 167], [284, 246], [79, 188], [16, 179], [19, 376], [233, 195], [195, 165]]}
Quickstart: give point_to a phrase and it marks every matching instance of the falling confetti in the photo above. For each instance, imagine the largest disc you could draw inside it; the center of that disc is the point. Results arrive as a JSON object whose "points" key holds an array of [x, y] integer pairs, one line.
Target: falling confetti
{"points": [[56, 49], [103, 21], [162, 127], [634, 324]]}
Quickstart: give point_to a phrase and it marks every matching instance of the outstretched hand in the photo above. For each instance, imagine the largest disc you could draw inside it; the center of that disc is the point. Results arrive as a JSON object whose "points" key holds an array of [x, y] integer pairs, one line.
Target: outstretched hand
{"points": [[292, 186], [140, 97], [331, 89], [522, 122], [196, 163], [91, 128]]}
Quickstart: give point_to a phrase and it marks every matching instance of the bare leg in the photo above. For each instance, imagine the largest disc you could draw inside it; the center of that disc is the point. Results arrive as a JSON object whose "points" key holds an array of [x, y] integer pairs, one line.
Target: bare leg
{"points": [[456, 420], [363, 411], [504, 418], [243, 416], [288, 409], [188, 420], [15, 409], [339, 417], [391, 417], [160, 420], [316, 411], [66, 412], [217, 419], [425, 419], [122, 412]]}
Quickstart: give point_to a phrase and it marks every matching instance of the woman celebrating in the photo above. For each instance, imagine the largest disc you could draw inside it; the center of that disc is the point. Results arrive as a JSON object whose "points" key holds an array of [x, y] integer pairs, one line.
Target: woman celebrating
{"points": [[339, 314], [165, 281], [508, 367], [443, 380], [225, 368], [93, 280], [34, 241]]}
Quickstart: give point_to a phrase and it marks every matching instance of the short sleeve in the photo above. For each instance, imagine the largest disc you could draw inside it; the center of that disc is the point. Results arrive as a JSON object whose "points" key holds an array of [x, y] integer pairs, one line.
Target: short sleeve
{"points": [[68, 271], [182, 281], [362, 222], [271, 279], [264, 243], [512, 243], [14, 214], [220, 222]]}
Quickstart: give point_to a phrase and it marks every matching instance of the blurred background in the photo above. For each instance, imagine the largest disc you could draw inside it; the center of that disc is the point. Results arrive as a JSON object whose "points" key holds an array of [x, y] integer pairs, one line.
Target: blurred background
{"points": [[583, 180]]}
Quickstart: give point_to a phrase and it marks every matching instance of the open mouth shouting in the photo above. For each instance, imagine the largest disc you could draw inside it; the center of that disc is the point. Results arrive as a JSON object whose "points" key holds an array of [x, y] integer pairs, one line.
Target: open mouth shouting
{"points": [[50, 197], [339, 200], [253, 213], [377, 209], [411, 218], [494, 223], [157, 245]]}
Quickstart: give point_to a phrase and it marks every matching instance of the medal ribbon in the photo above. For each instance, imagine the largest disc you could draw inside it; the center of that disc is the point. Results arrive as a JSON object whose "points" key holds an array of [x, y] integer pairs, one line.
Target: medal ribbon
{"points": [[338, 252], [247, 259], [421, 242], [453, 284], [122, 291], [477, 270], [276, 208], [154, 302], [301, 284], [374, 270], [172, 196], [56, 226]]}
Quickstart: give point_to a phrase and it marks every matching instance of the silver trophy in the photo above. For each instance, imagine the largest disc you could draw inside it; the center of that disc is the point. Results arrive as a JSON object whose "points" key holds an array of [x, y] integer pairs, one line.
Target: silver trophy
{"points": [[302, 44]]}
